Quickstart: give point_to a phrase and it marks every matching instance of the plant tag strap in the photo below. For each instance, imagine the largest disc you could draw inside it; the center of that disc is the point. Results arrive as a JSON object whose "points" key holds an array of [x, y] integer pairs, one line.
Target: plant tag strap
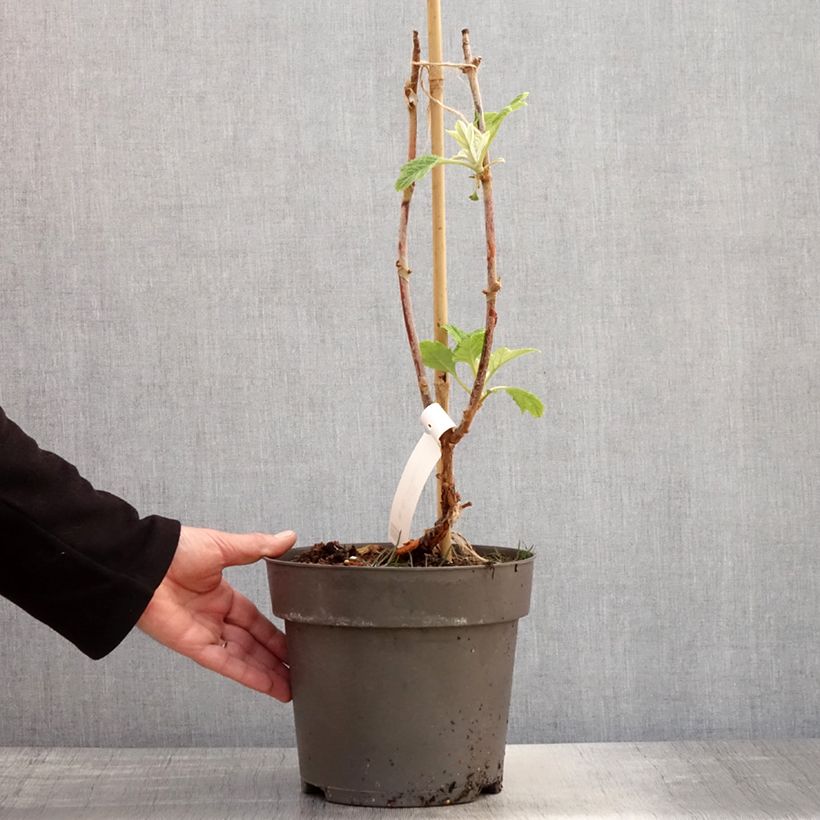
{"points": [[422, 460]]}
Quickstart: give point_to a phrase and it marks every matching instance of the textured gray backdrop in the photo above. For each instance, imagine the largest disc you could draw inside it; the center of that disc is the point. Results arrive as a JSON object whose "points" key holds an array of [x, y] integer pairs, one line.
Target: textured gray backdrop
{"points": [[199, 309]]}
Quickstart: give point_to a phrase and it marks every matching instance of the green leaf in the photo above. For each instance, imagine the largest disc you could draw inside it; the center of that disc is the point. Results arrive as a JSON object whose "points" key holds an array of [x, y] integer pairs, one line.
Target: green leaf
{"points": [[415, 169], [461, 158], [478, 146], [468, 349], [473, 196], [526, 401], [501, 355], [493, 119], [437, 356], [473, 144], [455, 333], [460, 135]]}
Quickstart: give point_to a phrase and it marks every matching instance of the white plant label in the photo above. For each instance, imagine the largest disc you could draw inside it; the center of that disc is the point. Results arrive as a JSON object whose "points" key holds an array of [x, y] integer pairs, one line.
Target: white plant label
{"points": [[422, 460]]}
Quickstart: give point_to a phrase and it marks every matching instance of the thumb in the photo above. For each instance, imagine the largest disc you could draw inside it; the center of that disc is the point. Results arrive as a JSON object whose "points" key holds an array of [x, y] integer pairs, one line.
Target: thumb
{"points": [[245, 548]]}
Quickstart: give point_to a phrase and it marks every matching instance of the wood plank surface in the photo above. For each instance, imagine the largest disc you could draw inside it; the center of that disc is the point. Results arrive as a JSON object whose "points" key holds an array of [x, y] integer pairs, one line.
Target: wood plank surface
{"points": [[737, 779]]}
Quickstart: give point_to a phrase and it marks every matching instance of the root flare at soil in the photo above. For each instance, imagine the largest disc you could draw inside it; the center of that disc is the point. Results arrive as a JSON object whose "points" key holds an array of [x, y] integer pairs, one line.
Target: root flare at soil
{"points": [[383, 555]]}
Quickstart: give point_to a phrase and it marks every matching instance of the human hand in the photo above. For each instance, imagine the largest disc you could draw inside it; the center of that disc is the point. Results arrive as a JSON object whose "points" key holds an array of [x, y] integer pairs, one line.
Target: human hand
{"points": [[196, 612]]}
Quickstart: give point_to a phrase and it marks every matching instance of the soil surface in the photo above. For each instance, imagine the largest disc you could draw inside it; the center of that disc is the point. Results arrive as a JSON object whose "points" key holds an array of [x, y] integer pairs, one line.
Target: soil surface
{"points": [[366, 555], [381, 555]]}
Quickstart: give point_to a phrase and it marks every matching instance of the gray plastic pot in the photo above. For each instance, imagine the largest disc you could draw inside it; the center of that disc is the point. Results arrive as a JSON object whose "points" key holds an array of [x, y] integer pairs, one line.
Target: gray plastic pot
{"points": [[401, 677]]}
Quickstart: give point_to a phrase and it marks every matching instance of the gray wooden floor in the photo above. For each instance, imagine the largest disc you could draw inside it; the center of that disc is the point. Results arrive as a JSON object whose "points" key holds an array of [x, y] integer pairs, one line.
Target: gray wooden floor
{"points": [[740, 779]]}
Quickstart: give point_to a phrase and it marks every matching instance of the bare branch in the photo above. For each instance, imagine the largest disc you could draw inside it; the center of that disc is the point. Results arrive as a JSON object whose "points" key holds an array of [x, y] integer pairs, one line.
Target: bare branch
{"points": [[471, 65], [493, 283], [411, 99]]}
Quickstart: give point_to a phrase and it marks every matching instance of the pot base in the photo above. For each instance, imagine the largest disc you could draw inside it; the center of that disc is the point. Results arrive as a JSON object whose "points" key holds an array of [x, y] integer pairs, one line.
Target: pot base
{"points": [[449, 796]]}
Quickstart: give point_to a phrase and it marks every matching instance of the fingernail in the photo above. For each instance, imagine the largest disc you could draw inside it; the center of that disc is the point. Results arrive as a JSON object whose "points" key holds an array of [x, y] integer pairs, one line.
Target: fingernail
{"points": [[286, 534]]}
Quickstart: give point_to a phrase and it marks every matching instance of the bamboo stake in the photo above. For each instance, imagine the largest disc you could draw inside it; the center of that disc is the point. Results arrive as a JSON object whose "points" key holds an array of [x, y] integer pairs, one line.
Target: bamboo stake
{"points": [[436, 72]]}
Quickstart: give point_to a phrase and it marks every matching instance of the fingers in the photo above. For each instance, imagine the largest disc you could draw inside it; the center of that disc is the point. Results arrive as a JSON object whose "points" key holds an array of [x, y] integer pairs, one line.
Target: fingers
{"points": [[245, 615], [254, 650], [245, 548], [231, 661]]}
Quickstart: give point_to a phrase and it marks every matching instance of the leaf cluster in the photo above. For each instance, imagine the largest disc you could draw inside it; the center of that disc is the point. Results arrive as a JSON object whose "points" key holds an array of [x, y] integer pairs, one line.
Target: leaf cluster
{"points": [[466, 350], [473, 147]]}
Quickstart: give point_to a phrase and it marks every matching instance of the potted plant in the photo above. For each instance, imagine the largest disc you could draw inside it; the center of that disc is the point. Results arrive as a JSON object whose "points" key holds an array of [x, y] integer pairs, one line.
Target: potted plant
{"points": [[401, 653]]}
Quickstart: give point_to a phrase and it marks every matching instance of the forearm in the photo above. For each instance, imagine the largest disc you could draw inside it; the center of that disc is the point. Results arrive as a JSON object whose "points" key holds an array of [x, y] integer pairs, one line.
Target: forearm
{"points": [[78, 559]]}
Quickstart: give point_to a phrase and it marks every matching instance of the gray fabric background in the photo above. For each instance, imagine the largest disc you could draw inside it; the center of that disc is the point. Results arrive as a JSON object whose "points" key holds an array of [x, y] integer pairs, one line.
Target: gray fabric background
{"points": [[199, 309]]}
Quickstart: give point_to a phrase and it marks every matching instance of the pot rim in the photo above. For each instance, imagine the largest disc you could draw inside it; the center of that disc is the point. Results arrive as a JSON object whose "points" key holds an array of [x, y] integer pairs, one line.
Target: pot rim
{"points": [[393, 597], [284, 560]]}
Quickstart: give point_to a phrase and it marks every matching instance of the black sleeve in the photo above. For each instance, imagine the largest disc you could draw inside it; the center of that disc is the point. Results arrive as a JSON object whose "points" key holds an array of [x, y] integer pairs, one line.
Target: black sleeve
{"points": [[80, 560]]}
